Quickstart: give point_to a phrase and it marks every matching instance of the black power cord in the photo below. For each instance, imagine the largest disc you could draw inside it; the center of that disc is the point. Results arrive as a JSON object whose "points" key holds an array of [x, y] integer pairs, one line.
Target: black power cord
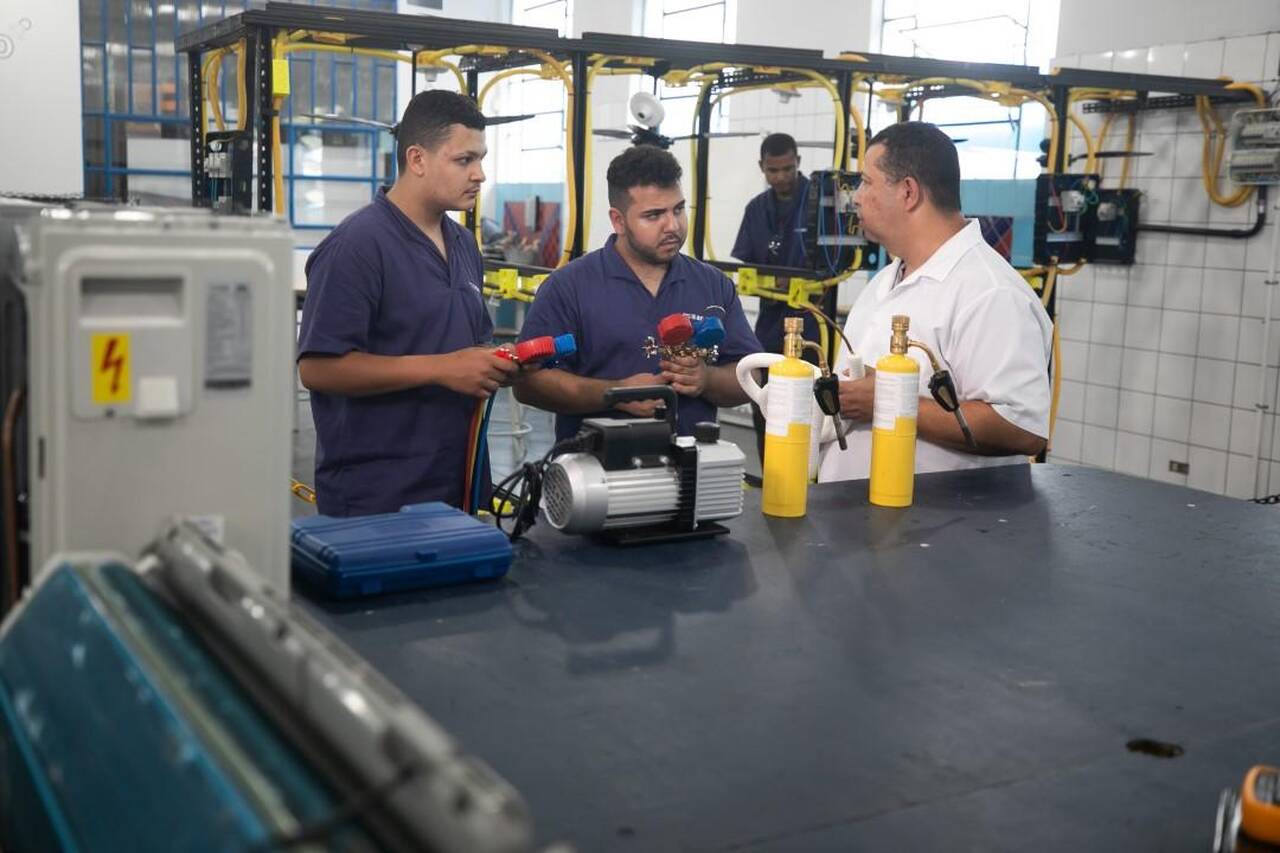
{"points": [[520, 492]]}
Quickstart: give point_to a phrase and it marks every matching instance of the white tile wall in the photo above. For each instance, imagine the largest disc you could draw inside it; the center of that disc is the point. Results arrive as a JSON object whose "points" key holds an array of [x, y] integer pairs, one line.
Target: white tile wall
{"points": [[1162, 453], [1136, 409], [1172, 419], [1138, 373], [1133, 453], [1175, 376], [1101, 406], [1142, 327], [1098, 447], [1162, 357], [1214, 381], [1222, 291]]}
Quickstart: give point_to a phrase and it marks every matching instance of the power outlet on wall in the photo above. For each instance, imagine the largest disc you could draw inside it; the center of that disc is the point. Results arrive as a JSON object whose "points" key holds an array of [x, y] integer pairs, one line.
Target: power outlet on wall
{"points": [[1179, 467]]}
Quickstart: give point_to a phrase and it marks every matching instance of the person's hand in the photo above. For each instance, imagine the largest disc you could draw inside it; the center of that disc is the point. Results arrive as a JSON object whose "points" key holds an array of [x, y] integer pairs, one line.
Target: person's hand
{"points": [[858, 396], [523, 368], [686, 373], [477, 372], [640, 408]]}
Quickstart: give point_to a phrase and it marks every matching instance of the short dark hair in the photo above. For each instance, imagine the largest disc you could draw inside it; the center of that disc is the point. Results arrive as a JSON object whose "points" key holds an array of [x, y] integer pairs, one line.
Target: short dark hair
{"points": [[778, 144], [924, 152], [427, 119], [641, 166]]}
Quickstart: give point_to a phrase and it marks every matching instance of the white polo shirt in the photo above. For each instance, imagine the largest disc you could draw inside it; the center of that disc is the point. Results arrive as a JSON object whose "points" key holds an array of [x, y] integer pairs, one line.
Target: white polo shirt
{"points": [[982, 320]]}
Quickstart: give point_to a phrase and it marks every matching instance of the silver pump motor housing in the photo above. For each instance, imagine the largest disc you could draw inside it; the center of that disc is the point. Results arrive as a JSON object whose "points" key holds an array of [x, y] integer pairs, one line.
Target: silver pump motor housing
{"points": [[580, 496]]}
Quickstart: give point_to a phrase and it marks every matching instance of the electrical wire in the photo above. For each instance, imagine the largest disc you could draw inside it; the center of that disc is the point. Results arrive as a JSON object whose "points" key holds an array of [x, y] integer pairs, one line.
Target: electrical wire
{"points": [[1051, 280], [519, 494], [482, 455], [1214, 147], [473, 448]]}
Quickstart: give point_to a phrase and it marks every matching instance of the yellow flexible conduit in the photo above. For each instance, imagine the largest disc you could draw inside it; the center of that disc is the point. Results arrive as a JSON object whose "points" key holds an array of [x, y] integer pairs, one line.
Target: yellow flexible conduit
{"points": [[1215, 144], [334, 43], [815, 80]]}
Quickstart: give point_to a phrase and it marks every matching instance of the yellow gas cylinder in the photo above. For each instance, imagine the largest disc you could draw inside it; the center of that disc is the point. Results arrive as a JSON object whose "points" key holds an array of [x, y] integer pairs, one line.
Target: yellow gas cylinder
{"points": [[788, 418], [893, 421]]}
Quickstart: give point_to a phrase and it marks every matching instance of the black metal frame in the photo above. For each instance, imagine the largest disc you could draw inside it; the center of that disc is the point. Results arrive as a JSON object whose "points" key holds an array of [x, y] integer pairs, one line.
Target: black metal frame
{"points": [[415, 33]]}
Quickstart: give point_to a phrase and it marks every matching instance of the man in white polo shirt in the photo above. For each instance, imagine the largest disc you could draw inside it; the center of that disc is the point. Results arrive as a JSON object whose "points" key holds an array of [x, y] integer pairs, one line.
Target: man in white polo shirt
{"points": [[964, 300]]}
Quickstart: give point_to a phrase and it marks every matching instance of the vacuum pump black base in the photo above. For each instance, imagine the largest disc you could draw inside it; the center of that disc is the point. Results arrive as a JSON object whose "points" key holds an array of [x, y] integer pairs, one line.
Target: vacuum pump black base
{"points": [[660, 533]]}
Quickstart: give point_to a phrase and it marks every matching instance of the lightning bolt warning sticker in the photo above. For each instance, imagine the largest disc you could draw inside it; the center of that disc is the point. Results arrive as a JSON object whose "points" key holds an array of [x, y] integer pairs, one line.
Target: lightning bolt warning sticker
{"points": [[109, 367]]}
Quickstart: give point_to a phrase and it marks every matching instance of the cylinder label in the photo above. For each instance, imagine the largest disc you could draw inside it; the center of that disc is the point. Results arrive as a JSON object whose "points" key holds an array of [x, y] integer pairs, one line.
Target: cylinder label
{"points": [[897, 396], [790, 401]]}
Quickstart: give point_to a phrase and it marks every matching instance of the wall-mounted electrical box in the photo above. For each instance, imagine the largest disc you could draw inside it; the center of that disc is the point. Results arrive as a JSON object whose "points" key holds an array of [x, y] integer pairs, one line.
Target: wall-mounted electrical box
{"points": [[160, 377], [1255, 147], [833, 238], [228, 165], [1113, 234], [1065, 209]]}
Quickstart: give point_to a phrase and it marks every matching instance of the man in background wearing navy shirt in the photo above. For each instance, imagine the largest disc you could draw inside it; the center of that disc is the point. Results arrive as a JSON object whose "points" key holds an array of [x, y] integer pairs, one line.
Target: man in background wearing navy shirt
{"points": [[613, 298], [771, 235], [394, 326]]}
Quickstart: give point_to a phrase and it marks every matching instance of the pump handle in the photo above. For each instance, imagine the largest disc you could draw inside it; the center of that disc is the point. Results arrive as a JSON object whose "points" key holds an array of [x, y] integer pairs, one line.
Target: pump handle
{"points": [[631, 394]]}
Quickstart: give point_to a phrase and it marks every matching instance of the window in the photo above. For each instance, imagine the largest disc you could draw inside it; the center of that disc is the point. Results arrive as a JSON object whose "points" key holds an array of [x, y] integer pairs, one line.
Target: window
{"points": [[1020, 32], [137, 111], [689, 20], [536, 144]]}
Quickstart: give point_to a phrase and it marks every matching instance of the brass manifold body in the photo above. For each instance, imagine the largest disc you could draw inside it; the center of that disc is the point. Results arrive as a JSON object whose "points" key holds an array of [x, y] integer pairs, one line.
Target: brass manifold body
{"points": [[667, 352]]}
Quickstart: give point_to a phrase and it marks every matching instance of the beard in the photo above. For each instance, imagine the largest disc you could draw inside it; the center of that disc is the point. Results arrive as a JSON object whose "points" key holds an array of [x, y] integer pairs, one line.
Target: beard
{"points": [[651, 254]]}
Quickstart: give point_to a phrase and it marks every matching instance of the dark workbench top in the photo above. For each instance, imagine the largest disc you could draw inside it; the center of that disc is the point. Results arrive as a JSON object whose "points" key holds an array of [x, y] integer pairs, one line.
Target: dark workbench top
{"points": [[964, 674]]}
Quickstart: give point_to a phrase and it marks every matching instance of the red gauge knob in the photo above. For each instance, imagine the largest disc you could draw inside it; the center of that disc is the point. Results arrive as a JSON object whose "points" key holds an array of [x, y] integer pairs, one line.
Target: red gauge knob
{"points": [[674, 329]]}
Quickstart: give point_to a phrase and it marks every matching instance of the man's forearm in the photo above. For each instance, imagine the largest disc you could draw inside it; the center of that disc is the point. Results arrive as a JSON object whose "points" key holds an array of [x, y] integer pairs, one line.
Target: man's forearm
{"points": [[722, 388], [362, 374], [994, 435], [563, 392]]}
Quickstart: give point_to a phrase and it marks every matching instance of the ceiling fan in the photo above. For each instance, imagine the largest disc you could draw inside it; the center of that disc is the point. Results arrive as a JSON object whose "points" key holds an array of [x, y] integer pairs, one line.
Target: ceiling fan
{"points": [[649, 113]]}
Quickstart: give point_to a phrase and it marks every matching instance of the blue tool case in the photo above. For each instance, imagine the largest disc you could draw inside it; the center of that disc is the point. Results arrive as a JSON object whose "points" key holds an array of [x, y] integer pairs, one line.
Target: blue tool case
{"points": [[422, 545]]}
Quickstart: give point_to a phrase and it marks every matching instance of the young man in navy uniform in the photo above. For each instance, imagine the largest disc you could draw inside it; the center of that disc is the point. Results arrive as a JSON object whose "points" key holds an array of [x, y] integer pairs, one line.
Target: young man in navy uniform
{"points": [[613, 298], [771, 235], [394, 328]]}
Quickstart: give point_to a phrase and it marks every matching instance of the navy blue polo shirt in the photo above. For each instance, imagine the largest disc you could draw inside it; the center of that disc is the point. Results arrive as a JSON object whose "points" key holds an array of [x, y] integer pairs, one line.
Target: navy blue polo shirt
{"points": [[601, 301], [772, 233], [377, 284]]}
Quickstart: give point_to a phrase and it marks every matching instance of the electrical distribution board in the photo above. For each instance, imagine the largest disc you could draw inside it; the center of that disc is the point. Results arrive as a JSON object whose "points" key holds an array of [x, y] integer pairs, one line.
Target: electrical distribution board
{"points": [[1255, 147], [833, 240], [1066, 208], [1114, 233]]}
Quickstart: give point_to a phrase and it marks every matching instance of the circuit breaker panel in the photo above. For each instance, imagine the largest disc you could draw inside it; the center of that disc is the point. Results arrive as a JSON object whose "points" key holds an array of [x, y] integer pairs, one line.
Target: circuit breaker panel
{"points": [[1114, 234], [1066, 208], [833, 238]]}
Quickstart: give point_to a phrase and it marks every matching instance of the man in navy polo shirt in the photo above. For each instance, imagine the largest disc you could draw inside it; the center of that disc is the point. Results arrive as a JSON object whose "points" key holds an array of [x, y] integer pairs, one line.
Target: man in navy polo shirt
{"points": [[394, 326], [771, 235], [613, 298]]}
